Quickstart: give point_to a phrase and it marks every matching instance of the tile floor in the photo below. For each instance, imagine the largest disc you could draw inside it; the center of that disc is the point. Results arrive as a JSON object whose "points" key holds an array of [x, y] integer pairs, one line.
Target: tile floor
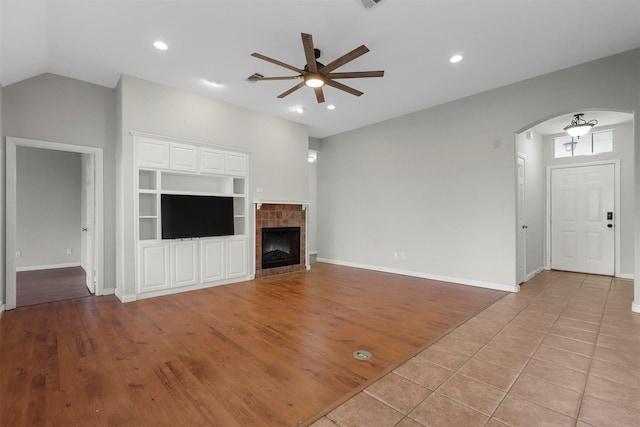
{"points": [[564, 351]]}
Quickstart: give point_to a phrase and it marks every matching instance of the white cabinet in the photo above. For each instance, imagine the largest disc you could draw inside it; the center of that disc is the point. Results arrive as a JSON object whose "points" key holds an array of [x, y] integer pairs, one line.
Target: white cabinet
{"points": [[211, 160], [184, 263], [236, 257], [153, 265], [235, 163], [176, 167], [211, 260], [152, 153], [183, 157]]}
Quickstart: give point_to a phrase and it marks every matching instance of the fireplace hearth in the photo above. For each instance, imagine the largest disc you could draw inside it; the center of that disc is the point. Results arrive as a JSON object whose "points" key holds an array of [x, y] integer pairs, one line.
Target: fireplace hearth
{"points": [[280, 246]]}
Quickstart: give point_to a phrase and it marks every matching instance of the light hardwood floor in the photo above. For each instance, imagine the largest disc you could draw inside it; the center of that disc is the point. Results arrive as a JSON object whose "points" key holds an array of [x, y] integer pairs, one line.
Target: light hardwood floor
{"points": [[274, 351]]}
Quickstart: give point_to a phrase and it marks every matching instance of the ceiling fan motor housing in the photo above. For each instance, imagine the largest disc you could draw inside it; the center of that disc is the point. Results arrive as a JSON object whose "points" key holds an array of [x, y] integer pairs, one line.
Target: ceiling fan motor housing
{"points": [[370, 3]]}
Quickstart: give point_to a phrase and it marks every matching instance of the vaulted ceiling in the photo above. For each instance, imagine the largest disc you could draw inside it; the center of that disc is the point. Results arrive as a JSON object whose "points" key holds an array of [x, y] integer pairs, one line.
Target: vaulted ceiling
{"points": [[501, 41]]}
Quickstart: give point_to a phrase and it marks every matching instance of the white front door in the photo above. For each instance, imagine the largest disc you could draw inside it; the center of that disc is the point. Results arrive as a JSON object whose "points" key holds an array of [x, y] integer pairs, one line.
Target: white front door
{"points": [[582, 219]]}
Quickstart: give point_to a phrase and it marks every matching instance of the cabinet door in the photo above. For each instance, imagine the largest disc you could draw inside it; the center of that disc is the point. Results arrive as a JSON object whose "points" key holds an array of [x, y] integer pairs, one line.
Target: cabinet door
{"points": [[211, 260], [211, 161], [152, 153], [235, 163], [236, 257], [154, 267], [184, 157], [184, 263]]}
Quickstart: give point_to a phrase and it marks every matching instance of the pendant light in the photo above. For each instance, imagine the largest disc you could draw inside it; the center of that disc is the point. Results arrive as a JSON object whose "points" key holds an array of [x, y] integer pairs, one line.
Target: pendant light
{"points": [[579, 126]]}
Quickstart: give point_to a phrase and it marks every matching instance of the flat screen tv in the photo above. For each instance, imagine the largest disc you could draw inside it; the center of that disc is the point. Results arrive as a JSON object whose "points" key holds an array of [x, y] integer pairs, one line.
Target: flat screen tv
{"points": [[185, 216]]}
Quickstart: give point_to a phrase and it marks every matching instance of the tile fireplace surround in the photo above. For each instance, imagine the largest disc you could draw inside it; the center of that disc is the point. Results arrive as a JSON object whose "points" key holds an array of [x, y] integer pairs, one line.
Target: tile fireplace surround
{"points": [[280, 215]]}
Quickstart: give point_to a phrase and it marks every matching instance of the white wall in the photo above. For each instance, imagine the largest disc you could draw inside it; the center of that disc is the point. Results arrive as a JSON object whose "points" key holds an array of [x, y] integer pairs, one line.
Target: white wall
{"points": [[278, 150], [312, 210], [2, 209], [59, 109], [439, 184], [532, 150], [48, 203], [624, 151]]}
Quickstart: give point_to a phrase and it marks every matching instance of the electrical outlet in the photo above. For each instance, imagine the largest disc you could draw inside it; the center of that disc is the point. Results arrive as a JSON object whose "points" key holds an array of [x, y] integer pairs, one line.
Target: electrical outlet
{"points": [[69, 251], [395, 255], [259, 190], [18, 254]]}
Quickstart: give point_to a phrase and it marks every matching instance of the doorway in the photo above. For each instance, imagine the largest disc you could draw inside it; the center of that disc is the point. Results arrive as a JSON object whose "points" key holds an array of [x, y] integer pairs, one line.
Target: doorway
{"points": [[582, 220], [91, 250]]}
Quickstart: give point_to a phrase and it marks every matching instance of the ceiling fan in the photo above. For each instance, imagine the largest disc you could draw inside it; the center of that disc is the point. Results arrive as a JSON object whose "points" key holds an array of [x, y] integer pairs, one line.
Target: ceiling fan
{"points": [[316, 75]]}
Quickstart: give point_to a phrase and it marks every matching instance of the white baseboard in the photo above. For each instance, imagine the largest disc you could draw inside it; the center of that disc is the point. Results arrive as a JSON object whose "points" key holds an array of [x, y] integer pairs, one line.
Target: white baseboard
{"points": [[125, 298], [533, 273], [2, 308], [457, 280], [635, 307], [313, 252], [108, 291], [625, 276], [48, 266]]}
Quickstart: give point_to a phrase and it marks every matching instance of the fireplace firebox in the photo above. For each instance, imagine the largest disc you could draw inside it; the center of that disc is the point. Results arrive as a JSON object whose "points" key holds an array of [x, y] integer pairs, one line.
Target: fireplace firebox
{"points": [[280, 246]]}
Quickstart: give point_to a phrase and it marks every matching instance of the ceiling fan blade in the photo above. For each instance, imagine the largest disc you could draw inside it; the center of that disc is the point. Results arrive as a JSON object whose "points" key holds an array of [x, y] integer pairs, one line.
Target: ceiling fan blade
{"points": [[319, 95], [345, 88], [290, 91], [309, 53], [257, 79], [275, 61], [356, 74], [355, 53]]}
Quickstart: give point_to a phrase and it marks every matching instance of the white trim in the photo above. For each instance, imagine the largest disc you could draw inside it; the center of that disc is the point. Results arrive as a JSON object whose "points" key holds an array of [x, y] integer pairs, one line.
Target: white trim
{"points": [[625, 276], [109, 291], [635, 307], [124, 298], [617, 222], [2, 308], [48, 266], [10, 208], [259, 203], [455, 280], [533, 273]]}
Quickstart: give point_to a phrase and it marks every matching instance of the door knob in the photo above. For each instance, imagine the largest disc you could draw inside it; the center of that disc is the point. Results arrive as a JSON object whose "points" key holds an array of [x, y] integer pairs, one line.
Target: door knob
{"points": [[609, 225], [525, 226]]}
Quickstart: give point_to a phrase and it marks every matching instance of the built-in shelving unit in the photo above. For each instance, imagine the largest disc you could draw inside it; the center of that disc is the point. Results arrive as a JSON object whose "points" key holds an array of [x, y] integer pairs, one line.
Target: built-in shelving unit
{"points": [[153, 183], [176, 167]]}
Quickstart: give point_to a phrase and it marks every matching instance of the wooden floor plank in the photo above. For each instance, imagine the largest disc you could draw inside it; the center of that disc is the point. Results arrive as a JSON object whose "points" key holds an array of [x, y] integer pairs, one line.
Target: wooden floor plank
{"points": [[274, 351]]}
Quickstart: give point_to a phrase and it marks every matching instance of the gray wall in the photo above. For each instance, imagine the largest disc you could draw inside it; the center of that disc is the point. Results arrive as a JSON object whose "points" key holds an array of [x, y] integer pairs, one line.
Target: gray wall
{"points": [[59, 109], [48, 208], [278, 150], [624, 151], [439, 184]]}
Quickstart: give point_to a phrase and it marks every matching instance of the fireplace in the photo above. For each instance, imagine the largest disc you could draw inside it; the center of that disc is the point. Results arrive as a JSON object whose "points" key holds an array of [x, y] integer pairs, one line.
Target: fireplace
{"points": [[280, 246], [281, 216]]}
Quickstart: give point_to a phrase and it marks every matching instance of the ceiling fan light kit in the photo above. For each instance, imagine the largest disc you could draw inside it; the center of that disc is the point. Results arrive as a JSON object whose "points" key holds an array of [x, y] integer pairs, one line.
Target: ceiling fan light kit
{"points": [[579, 126], [315, 74]]}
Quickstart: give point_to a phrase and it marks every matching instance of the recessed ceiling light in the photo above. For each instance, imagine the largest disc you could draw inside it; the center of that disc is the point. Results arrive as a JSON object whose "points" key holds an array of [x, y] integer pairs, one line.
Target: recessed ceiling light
{"points": [[298, 109], [455, 59], [331, 107], [214, 83], [160, 45]]}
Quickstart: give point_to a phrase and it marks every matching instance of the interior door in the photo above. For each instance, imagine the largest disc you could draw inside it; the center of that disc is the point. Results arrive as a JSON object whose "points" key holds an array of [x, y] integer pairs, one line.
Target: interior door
{"points": [[582, 219], [522, 223], [88, 227]]}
